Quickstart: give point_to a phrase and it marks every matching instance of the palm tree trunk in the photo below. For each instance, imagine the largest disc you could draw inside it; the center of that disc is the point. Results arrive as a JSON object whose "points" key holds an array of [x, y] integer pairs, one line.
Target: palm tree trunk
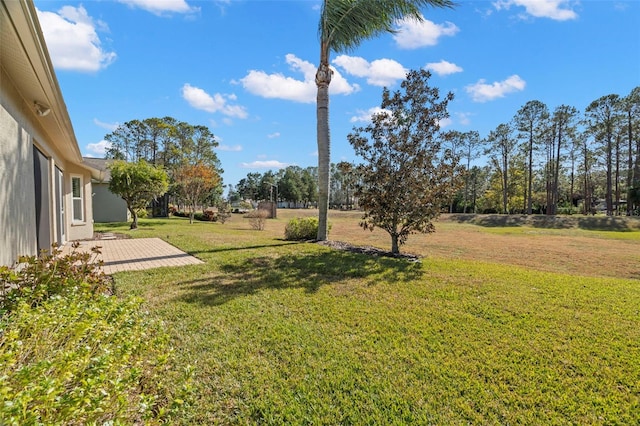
{"points": [[323, 78]]}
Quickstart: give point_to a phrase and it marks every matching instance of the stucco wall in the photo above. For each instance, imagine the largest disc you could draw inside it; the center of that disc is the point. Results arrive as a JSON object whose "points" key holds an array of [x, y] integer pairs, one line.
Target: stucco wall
{"points": [[17, 199], [108, 207], [20, 131]]}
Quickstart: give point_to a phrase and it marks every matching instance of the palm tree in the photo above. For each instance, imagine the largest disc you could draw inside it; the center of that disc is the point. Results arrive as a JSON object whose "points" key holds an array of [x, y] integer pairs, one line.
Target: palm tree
{"points": [[344, 24]]}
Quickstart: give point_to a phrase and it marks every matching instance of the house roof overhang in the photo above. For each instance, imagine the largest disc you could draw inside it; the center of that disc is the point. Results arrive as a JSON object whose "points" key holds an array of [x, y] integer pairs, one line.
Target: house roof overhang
{"points": [[25, 59]]}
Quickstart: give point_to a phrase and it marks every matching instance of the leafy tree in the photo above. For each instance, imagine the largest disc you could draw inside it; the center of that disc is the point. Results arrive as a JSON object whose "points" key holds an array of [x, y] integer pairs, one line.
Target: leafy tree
{"points": [[530, 120], [137, 183], [455, 143], [310, 185], [343, 26], [470, 151], [500, 150], [195, 184], [249, 187], [603, 116], [347, 181], [631, 108], [290, 186], [268, 188], [406, 176], [563, 128]]}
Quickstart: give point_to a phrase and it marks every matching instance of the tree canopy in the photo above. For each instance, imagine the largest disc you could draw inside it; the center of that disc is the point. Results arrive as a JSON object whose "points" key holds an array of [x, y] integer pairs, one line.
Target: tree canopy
{"points": [[406, 175], [137, 183]]}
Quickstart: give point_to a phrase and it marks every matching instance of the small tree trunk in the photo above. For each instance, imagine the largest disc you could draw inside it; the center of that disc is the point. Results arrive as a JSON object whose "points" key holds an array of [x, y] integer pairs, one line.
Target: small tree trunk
{"points": [[395, 249], [191, 214], [134, 215]]}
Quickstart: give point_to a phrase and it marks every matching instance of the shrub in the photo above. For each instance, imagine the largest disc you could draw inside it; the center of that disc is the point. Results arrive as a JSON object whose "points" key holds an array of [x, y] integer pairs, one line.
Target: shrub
{"points": [[35, 279], [257, 219], [302, 228], [142, 213], [71, 354], [224, 213], [210, 215]]}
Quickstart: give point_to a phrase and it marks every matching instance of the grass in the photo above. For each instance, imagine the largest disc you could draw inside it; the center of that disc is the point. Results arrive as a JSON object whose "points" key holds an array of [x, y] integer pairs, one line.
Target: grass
{"points": [[296, 333]]}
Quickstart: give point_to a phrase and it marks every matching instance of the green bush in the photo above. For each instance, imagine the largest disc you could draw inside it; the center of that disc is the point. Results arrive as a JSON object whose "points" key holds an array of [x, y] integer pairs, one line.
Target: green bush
{"points": [[35, 279], [301, 229], [142, 213], [71, 354]]}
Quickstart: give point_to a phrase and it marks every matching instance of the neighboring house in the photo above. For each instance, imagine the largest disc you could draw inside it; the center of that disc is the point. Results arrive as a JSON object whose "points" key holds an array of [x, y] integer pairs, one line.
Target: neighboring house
{"points": [[45, 189], [107, 206]]}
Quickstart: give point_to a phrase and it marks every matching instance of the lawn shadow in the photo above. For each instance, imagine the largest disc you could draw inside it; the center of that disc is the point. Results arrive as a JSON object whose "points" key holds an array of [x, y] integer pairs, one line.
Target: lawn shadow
{"points": [[238, 248], [308, 271]]}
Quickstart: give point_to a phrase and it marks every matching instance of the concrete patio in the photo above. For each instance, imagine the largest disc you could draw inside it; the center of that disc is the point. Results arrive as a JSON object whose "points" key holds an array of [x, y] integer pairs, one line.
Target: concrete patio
{"points": [[136, 254]]}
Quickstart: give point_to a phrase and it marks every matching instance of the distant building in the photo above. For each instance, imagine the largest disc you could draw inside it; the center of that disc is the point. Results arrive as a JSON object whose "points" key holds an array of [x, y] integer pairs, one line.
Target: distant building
{"points": [[45, 188], [107, 206]]}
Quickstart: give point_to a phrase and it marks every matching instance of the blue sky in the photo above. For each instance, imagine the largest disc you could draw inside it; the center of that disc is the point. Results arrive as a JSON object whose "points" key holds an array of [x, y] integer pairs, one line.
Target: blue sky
{"points": [[245, 68]]}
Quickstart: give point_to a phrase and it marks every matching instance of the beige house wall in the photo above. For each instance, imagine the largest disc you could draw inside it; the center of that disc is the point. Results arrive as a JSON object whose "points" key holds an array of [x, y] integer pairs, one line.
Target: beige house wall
{"points": [[20, 130], [17, 199]]}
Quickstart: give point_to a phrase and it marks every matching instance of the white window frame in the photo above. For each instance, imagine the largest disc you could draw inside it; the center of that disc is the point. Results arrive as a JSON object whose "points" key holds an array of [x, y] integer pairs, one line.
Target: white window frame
{"points": [[74, 198]]}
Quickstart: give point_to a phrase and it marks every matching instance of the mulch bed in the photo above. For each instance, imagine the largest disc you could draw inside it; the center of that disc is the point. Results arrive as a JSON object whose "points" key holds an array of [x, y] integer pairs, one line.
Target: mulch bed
{"points": [[368, 250]]}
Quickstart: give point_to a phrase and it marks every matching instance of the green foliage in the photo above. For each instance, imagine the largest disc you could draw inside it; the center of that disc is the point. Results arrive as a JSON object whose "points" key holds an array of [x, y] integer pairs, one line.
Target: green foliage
{"points": [[302, 229], [164, 142], [71, 354], [406, 176], [345, 24], [138, 184], [36, 279]]}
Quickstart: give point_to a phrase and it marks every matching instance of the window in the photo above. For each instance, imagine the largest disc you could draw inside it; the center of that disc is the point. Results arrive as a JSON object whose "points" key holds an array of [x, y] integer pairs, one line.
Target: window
{"points": [[76, 196]]}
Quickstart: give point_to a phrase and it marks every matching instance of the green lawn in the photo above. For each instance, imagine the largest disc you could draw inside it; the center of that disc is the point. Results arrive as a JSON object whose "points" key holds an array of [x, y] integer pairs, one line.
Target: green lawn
{"points": [[296, 333]]}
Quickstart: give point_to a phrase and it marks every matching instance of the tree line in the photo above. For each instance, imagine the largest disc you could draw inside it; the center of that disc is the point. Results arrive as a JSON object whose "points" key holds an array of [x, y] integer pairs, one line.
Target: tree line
{"points": [[183, 151], [541, 161], [557, 161]]}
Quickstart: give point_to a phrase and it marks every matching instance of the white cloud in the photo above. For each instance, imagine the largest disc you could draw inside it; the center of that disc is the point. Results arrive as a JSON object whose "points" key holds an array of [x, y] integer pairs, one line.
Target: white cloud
{"points": [[482, 92], [279, 86], [229, 148], [72, 40], [160, 7], [464, 118], [273, 135], [108, 126], [413, 34], [268, 164], [445, 122], [365, 116], [99, 148], [199, 99], [381, 72], [558, 10], [443, 67]]}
